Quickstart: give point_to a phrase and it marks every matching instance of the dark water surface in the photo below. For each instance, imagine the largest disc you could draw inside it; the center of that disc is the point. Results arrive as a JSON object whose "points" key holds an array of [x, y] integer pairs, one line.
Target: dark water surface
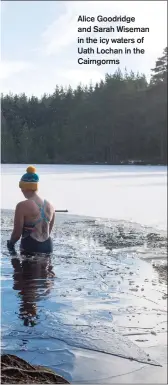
{"points": [[101, 295]]}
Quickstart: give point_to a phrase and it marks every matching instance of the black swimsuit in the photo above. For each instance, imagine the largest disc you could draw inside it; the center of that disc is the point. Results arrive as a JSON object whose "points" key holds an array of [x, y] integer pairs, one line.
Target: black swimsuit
{"points": [[30, 245]]}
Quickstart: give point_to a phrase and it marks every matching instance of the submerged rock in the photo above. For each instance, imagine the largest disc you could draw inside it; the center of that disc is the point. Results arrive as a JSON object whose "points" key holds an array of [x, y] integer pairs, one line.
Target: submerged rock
{"points": [[15, 370]]}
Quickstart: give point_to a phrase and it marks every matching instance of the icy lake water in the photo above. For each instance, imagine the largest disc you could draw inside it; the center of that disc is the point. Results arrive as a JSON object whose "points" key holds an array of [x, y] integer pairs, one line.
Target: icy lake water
{"points": [[101, 298]]}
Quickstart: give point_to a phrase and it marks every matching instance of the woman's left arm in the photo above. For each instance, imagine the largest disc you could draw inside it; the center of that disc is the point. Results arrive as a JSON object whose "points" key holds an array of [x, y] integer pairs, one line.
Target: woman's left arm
{"points": [[18, 223]]}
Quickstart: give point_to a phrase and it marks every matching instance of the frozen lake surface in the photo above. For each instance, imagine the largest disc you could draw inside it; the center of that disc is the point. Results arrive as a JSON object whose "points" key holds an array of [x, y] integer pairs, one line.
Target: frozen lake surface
{"points": [[97, 310]]}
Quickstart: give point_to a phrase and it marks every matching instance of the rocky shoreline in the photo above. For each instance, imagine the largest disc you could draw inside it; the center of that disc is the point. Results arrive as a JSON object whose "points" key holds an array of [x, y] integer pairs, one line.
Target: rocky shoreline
{"points": [[15, 370]]}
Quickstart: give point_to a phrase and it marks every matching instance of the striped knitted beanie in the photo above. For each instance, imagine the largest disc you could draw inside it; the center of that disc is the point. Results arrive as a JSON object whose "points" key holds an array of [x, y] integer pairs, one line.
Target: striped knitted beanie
{"points": [[29, 181]]}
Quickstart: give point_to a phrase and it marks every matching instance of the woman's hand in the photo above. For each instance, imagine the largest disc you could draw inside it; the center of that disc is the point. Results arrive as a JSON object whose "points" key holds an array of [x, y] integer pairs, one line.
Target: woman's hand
{"points": [[11, 247]]}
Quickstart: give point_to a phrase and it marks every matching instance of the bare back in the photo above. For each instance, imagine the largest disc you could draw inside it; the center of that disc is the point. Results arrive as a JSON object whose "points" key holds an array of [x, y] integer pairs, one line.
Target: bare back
{"points": [[40, 215]]}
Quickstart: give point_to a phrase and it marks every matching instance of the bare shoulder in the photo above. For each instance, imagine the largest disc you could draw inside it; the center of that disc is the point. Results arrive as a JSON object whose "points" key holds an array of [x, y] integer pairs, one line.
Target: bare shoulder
{"points": [[20, 205], [50, 205], [20, 208]]}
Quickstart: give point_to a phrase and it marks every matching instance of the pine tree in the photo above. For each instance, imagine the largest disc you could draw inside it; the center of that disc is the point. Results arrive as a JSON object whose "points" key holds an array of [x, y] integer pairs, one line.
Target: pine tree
{"points": [[160, 70]]}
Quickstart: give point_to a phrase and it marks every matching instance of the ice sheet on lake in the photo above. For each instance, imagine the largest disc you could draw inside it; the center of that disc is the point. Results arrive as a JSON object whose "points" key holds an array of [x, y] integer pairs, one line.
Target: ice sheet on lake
{"points": [[94, 339]]}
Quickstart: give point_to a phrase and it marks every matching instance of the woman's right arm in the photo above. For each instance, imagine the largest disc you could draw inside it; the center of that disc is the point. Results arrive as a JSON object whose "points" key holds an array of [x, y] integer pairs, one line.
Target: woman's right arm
{"points": [[52, 223]]}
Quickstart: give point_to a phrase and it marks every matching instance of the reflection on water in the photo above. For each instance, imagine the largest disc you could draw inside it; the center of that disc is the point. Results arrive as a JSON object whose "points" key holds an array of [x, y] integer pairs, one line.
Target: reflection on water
{"points": [[30, 276]]}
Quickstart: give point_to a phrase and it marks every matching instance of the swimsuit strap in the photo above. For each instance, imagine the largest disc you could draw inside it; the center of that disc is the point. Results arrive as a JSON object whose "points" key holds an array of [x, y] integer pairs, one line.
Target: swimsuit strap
{"points": [[29, 227], [42, 212]]}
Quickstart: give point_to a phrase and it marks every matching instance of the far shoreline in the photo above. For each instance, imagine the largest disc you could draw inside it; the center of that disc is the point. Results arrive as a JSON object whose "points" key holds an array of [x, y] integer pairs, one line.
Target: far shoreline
{"points": [[122, 163]]}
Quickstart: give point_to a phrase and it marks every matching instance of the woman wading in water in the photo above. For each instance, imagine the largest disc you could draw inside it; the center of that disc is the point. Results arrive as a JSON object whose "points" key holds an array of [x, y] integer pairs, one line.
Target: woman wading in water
{"points": [[34, 219]]}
